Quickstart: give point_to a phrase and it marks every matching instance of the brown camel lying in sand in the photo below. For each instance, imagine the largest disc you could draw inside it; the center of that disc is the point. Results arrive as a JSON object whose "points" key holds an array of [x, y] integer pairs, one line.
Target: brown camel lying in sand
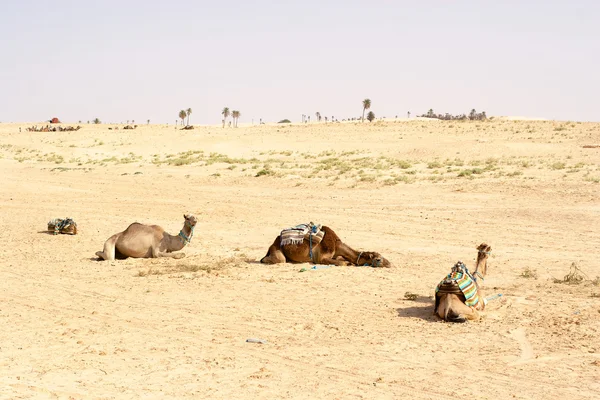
{"points": [[330, 251], [148, 241], [450, 302]]}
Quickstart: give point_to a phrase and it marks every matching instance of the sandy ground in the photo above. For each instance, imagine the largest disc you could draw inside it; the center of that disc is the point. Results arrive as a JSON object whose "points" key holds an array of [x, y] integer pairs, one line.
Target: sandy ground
{"points": [[422, 193]]}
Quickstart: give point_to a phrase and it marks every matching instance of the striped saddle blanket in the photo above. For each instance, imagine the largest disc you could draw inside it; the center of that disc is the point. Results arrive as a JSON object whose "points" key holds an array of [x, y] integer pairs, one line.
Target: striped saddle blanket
{"points": [[66, 226], [460, 282], [297, 234]]}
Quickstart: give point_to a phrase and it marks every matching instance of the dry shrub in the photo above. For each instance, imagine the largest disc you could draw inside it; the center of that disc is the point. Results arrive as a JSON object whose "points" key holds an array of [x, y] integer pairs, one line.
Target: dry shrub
{"points": [[529, 273], [574, 277], [410, 296]]}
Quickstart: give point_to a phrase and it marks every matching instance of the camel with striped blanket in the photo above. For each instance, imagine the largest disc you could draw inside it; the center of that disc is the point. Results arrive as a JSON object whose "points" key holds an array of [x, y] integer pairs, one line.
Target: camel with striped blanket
{"points": [[459, 297], [329, 251], [148, 241]]}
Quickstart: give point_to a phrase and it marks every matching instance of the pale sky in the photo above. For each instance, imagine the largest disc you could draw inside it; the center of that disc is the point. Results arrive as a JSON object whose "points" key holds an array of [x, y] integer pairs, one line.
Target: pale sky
{"points": [[120, 60]]}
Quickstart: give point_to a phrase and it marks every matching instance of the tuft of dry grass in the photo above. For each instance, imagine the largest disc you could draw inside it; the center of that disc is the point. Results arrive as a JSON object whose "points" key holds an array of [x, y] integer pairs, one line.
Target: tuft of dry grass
{"points": [[410, 296], [529, 273], [574, 277]]}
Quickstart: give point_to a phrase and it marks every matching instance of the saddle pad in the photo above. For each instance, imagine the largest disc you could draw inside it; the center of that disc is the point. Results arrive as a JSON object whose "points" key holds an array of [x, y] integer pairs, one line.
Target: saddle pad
{"points": [[460, 278], [297, 234], [66, 226]]}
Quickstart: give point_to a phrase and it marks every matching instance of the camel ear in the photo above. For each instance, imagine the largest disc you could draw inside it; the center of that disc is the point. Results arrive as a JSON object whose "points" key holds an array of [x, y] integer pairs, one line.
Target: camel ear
{"points": [[185, 216]]}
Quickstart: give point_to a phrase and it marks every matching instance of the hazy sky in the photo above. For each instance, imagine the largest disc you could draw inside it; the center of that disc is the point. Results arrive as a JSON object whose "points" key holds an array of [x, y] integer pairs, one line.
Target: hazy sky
{"points": [[119, 60]]}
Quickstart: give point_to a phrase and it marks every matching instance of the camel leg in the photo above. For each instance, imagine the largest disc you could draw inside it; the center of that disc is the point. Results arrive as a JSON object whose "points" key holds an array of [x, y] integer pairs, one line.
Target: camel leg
{"points": [[108, 253], [177, 256], [274, 256], [333, 261], [156, 254], [452, 309]]}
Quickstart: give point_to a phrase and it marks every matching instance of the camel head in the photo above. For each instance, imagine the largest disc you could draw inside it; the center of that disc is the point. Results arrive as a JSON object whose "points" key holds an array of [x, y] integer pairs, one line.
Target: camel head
{"points": [[373, 259], [483, 253], [191, 219]]}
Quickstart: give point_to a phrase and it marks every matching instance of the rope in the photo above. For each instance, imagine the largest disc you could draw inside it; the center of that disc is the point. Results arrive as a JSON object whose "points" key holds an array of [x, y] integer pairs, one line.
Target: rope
{"points": [[310, 253], [374, 263], [358, 258]]}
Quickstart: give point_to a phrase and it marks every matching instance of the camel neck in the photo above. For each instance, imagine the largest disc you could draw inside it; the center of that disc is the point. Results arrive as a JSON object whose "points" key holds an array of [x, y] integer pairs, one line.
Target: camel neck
{"points": [[481, 265], [186, 233], [348, 253]]}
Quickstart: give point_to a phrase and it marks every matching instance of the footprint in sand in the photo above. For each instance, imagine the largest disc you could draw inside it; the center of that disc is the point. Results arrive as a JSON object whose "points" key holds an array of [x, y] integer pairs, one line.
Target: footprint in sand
{"points": [[526, 350]]}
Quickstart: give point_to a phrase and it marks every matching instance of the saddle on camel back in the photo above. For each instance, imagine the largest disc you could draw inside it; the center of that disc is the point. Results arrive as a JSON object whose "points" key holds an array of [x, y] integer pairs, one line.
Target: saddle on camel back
{"points": [[66, 226], [461, 283], [310, 232]]}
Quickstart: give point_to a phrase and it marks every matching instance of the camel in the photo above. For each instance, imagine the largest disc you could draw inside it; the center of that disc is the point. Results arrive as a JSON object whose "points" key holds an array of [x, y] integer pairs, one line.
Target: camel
{"points": [[450, 301], [148, 241], [330, 251]]}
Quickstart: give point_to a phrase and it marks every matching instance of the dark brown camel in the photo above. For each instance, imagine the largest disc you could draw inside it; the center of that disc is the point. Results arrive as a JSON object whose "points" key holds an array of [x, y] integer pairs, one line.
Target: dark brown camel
{"points": [[330, 251]]}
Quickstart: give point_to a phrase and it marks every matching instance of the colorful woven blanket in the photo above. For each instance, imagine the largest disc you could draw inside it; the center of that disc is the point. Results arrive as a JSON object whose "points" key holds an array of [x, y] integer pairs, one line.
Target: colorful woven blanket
{"points": [[67, 226], [460, 281], [297, 234]]}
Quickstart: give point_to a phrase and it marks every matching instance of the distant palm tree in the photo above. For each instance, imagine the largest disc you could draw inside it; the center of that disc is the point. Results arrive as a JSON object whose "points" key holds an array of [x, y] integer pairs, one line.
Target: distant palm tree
{"points": [[235, 114], [472, 114], [371, 116], [366, 105], [225, 113], [148, 122], [97, 121], [182, 115], [188, 112]]}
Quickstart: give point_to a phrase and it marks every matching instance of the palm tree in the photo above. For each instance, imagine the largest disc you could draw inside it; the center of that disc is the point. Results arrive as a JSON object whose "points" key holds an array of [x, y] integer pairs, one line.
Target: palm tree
{"points": [[182, 115], [188, 112], [472, 114], [235, 114], [371, 116], [148, 122], [96, 121], [225, 113], [366, 105]]}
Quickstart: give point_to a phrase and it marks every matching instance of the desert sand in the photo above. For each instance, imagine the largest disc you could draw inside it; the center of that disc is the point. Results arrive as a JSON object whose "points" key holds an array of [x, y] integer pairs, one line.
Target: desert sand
{"points": [[422, 193]]}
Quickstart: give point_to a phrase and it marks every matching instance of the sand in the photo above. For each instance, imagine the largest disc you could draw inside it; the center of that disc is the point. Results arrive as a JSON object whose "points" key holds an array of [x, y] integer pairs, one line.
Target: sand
{"points": [[422, 193]]}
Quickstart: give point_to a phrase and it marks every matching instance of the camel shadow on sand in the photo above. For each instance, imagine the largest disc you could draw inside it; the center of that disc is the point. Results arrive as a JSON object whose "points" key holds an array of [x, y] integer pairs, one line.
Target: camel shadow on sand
{"points": [[421, 307]]}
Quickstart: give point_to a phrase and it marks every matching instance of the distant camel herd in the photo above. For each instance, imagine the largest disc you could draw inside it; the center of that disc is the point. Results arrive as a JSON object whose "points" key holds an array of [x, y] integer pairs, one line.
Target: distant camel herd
{"points": [[458, 297]]}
